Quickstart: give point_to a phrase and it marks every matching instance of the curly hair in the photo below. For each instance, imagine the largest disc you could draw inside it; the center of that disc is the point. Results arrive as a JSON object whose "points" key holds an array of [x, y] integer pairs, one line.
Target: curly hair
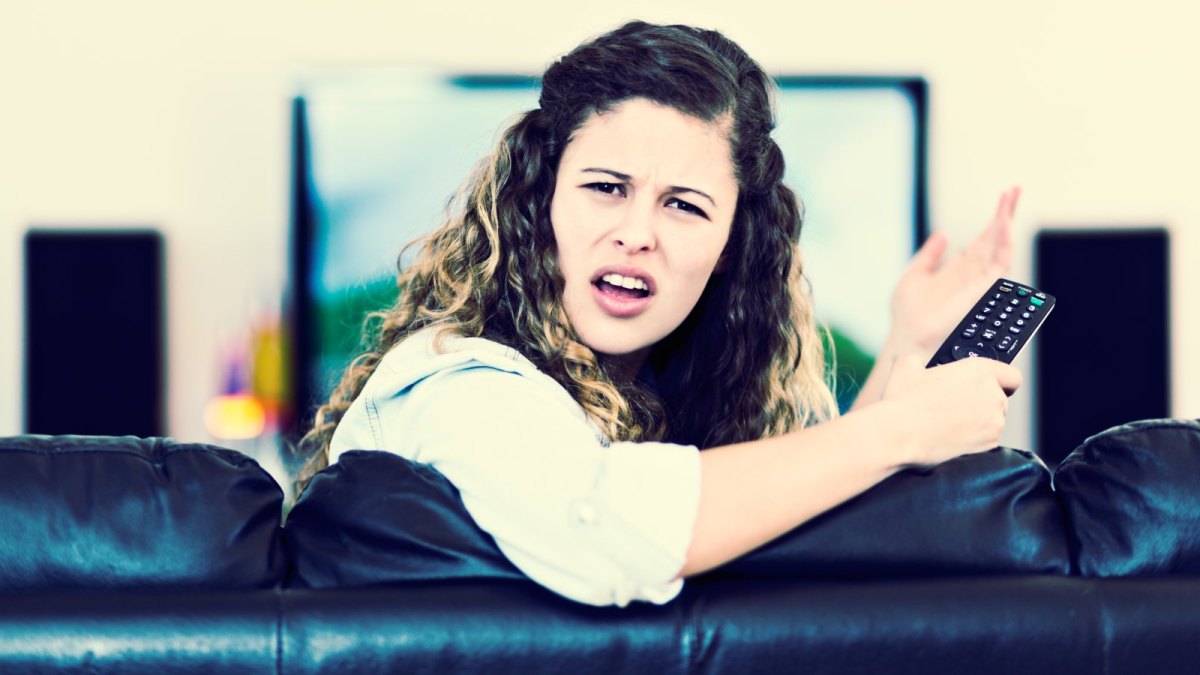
{"points": [[748, 361]]}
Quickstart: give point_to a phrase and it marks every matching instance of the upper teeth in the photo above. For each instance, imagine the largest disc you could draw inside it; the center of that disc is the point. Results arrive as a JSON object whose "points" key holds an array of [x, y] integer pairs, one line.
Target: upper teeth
{"points": [[625, 282]]}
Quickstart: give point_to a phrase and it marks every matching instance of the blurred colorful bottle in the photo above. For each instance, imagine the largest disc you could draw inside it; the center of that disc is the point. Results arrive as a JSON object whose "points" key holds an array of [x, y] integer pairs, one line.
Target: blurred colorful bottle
{"points": [[235, 413]]}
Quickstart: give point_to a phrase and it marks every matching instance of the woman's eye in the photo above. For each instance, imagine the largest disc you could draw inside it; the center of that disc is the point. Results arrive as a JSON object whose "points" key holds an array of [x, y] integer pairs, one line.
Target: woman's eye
{"points": [[689, 208], [606, 188]]}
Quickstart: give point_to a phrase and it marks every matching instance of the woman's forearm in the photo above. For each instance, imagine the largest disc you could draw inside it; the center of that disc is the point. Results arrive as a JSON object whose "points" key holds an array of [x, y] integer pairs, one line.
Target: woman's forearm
{"points": [[751, 493]]}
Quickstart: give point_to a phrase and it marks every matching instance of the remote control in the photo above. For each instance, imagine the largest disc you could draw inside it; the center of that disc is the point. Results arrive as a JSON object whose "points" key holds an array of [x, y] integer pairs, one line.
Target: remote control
{"points": [[998, 326]]}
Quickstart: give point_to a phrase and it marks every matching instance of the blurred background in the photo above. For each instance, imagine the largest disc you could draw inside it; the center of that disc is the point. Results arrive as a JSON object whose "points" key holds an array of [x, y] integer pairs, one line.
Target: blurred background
{"points": [[175, 124]]}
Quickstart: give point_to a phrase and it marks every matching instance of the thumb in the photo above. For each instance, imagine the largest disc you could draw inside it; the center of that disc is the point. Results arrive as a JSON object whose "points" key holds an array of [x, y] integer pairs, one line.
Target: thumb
{"points": [[930, 253]]}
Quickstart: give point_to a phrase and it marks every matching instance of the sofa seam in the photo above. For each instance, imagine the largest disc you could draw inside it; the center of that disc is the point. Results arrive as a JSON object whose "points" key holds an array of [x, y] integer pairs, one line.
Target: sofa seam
{"points": [[1070, 535], [278, 631], [1105, 631], [692, 641], [214, 450], [1140, 426]]}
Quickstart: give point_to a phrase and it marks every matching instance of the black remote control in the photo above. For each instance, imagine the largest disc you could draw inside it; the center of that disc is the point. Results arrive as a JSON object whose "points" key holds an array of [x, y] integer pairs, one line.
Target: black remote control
{"points": [[998, 326]]}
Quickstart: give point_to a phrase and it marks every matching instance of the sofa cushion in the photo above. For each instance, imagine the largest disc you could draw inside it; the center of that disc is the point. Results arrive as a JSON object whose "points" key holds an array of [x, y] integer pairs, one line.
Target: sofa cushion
{"points": [[1131, 497], [376, 518], [125, 512], [141, 632], [986, 513]]}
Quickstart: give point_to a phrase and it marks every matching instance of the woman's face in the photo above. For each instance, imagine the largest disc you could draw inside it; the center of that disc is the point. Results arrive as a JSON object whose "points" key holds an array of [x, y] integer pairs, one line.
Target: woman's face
{"points": [[643, 203]]}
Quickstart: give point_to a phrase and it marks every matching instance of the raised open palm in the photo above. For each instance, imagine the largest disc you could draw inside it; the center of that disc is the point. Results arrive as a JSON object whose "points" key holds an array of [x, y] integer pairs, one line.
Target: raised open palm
{"points": [[934, 293]]}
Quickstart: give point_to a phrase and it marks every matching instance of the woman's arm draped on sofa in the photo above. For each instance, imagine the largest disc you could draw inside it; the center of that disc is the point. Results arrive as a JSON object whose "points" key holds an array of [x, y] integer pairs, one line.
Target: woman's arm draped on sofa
{"points": [[753, 492]]}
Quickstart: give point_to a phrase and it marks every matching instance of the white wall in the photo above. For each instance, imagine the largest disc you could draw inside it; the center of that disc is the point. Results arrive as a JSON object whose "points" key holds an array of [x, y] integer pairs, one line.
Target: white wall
{"points": [[175, 115]]}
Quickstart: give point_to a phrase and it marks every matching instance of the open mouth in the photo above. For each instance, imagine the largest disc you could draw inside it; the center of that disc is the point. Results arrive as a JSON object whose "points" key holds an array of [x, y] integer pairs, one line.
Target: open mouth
{"points": [[623, 295], [623, 287]]}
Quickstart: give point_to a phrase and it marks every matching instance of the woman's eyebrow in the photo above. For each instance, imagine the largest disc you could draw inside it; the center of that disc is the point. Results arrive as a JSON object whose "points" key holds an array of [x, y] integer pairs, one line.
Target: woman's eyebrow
{"points": [[673, 189]]}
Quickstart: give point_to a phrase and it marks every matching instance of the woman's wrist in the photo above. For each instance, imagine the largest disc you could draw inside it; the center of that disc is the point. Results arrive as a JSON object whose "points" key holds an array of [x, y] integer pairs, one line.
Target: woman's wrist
{"points": [[900, 438], [873, 387], [899, 342]]}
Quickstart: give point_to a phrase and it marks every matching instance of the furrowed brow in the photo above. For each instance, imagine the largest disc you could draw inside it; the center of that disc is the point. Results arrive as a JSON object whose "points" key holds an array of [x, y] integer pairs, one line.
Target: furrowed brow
{"points": [[674, 189]]}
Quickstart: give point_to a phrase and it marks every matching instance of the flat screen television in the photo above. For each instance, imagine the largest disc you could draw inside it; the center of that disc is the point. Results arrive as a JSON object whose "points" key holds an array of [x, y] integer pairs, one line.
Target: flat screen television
{"points": [[377, 154]]}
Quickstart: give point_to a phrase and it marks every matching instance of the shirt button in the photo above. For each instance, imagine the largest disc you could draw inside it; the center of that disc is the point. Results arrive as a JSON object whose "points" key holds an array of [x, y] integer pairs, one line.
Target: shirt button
{"points": [[586, 514]]}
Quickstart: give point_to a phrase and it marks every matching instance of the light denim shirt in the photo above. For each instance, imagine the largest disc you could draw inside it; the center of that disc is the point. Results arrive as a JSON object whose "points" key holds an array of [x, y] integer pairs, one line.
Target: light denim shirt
{"points": [[599, 523]]}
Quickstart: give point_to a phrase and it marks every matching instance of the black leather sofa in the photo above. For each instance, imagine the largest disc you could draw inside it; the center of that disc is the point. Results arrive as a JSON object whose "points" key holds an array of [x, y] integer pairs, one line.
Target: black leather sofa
{"points": [[130, 555]]}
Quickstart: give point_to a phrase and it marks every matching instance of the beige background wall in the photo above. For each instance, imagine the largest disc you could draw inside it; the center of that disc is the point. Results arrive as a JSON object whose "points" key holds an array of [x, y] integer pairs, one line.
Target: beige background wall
{"points": [[175, 115]]}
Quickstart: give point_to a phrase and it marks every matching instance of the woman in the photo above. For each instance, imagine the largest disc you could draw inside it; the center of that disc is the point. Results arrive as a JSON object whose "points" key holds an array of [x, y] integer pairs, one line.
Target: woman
{"points": [[618, 286]]}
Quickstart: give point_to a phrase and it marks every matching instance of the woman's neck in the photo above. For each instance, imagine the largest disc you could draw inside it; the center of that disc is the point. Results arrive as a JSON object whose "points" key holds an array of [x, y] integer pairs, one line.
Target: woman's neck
{"points": [[625, 367]]}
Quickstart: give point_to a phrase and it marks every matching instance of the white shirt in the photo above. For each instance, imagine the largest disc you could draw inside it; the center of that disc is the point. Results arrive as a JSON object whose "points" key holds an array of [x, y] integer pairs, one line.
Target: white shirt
{"points": [[599, 523]]}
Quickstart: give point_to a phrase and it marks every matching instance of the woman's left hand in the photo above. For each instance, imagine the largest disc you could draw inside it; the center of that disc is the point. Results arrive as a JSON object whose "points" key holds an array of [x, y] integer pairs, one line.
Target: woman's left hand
{"points": [[932, 296]]}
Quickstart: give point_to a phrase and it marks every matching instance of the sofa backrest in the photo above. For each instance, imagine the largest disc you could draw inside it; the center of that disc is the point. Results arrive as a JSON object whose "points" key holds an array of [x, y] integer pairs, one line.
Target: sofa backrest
{"points": [[987, 513], [123, 512], [1132, 498], [376, 518]]}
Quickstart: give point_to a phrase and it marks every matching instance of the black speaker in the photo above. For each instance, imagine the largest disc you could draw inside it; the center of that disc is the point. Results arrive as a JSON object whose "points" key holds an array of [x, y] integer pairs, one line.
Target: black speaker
{"points": [[94, 332], [1103, 357]]}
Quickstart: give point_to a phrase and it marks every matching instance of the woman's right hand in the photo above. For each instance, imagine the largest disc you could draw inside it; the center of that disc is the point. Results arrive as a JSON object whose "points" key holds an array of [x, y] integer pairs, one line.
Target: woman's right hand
{"points": [[954, 409]]}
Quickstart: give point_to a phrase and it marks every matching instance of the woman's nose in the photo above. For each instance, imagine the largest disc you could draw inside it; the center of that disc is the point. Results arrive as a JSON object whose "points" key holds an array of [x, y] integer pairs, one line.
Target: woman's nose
{"points": [[636, 231]]}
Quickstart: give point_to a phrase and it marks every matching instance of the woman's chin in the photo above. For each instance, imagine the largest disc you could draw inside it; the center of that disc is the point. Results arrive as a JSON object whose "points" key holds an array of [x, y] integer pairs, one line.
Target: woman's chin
{"points": [[626, 354], [619, 350]]}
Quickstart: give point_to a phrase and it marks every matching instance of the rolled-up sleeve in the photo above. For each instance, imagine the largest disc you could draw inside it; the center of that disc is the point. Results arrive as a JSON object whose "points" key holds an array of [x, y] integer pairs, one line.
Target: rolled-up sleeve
{"points": [[602, 525]]}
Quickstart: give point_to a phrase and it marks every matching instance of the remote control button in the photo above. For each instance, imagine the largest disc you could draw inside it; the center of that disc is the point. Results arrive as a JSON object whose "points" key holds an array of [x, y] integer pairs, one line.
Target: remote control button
{"points": [[1005, 343], [980, 317], [1003, 316], [989, 334], [972, 350], [1020, 322], [991, 303], [1006, 289], [1040, 295], [997, 296], [1014, 301], [1026, 315], [997, 324], [1014, 330], [967, 333], [986, 310], [1037, 301], [1031, 308], [1022, 292]]}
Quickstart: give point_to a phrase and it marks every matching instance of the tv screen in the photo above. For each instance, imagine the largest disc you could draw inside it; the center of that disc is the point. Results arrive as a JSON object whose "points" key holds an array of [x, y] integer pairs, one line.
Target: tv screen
{"points": [[380, 152]]}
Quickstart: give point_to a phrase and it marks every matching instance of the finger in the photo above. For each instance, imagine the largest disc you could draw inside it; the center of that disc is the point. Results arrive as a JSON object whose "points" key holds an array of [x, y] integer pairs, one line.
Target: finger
{"points": [[930, 253], [1007, 208], [1002, 247], [1008, 377], [1002, 244], [983, 247], [993, 246], [1012, 203], [1004, 208]]}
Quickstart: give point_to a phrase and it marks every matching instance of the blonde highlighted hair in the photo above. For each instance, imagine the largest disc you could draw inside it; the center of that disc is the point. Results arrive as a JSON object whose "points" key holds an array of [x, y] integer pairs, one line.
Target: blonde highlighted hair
{"points": [[747, 363]]}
